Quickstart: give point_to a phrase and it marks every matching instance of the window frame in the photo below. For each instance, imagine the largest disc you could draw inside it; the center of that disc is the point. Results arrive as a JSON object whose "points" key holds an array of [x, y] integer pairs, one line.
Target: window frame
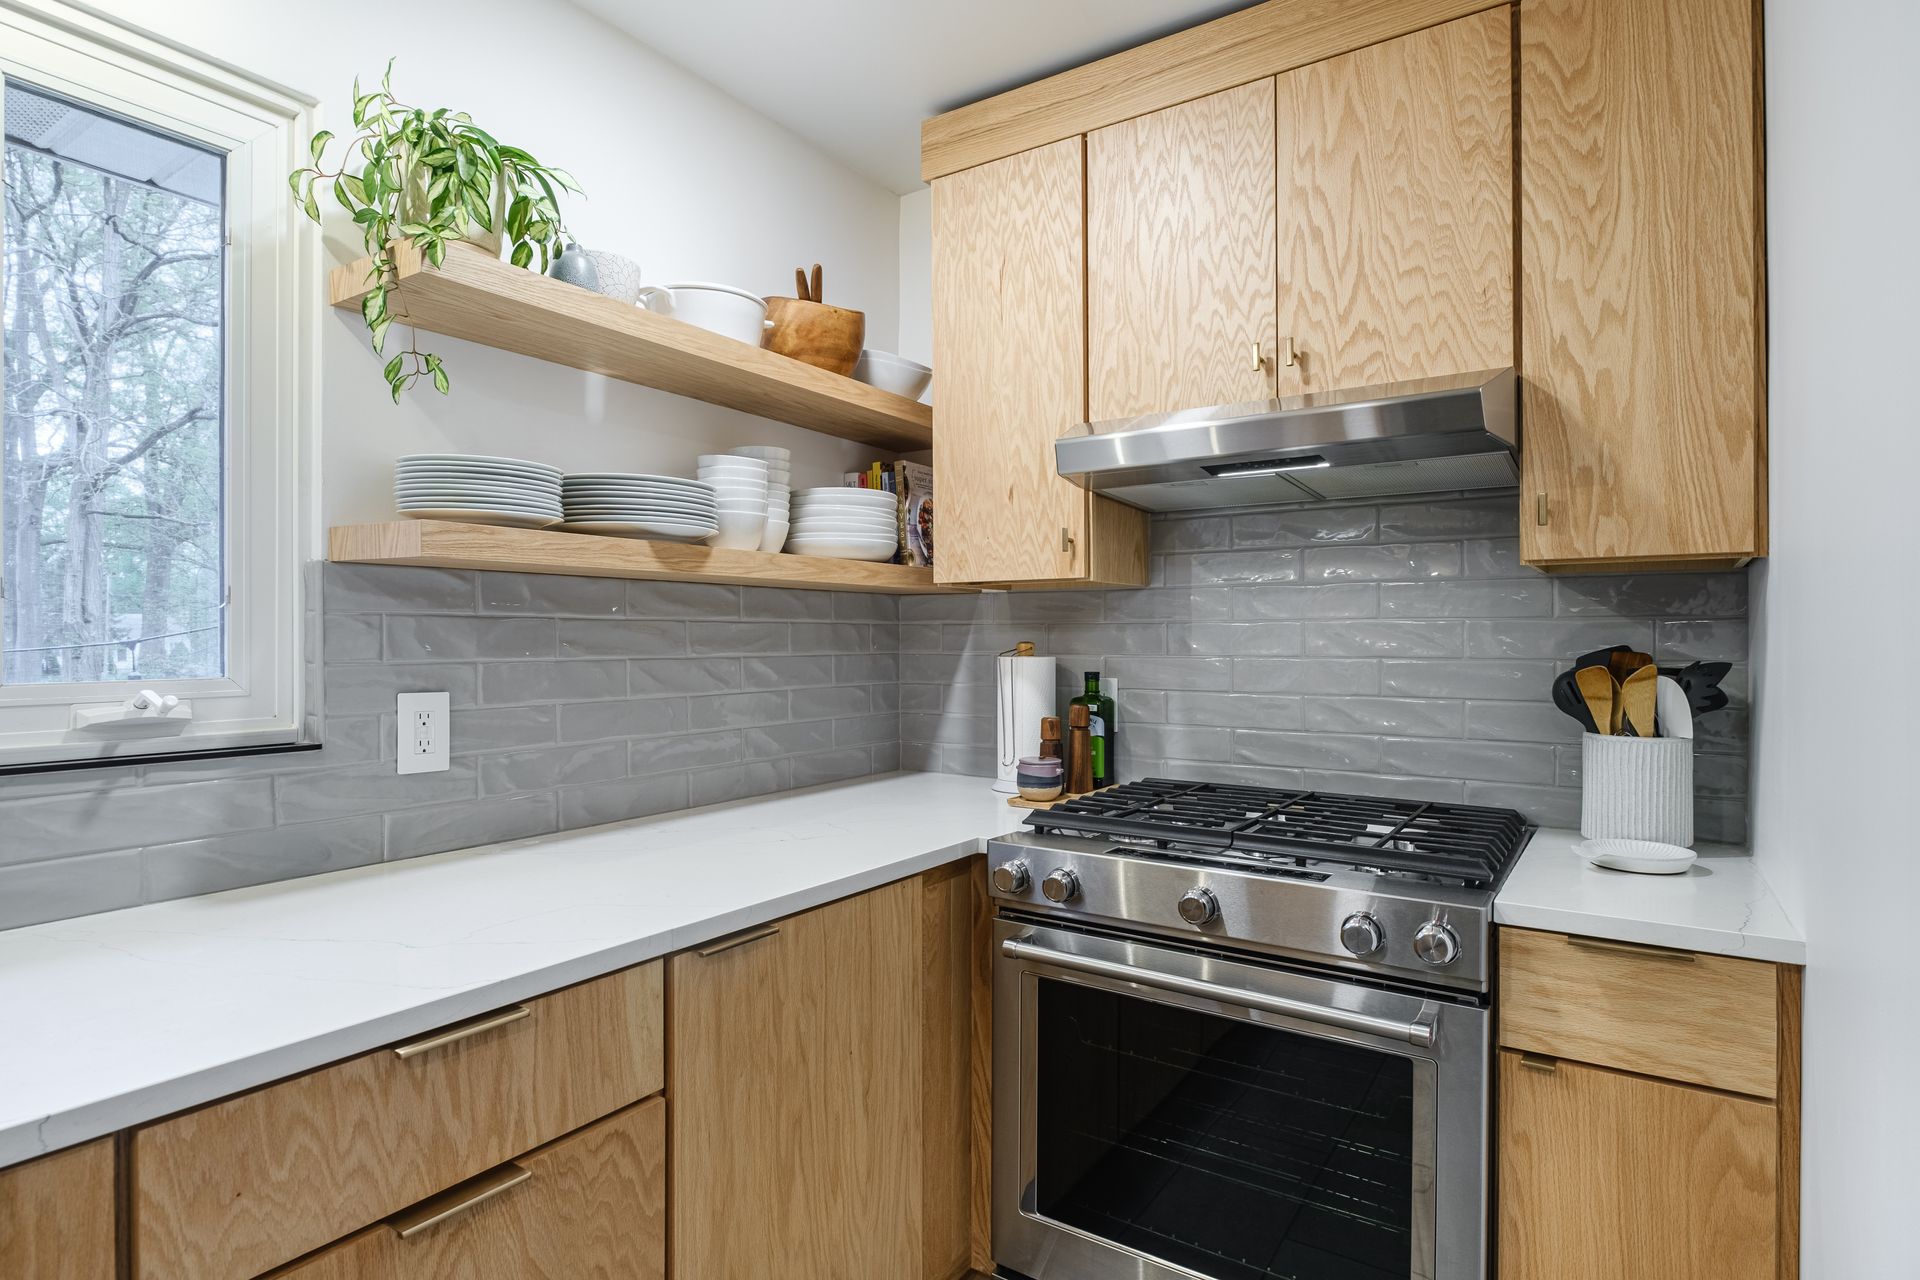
{"points": [[268, 412]]}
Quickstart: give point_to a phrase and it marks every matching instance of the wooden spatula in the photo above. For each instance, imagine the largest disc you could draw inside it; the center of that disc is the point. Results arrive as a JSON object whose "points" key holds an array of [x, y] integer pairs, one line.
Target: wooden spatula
{"points": [[1624, 662], [1638, 693], [800, 285], [1597, 689]]}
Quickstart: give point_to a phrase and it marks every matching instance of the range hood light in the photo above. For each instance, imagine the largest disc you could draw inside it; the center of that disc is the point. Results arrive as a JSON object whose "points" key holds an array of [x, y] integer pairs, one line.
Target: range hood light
{"points": [[1269, 467]]}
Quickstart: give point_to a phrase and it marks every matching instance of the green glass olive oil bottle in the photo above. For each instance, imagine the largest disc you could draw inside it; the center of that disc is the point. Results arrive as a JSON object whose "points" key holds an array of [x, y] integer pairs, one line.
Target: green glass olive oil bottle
{"points": [[1101, 742]]}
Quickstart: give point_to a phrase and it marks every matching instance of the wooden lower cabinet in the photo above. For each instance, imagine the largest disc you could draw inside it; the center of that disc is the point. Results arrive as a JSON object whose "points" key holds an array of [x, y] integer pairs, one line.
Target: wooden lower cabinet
{"points": [[817, 1071], [57, 1215], [1610, 1176], [592, 1204]]}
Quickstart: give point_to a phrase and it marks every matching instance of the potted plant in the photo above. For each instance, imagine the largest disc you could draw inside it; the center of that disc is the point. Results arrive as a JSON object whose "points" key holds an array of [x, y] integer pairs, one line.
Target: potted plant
{"points": [[433, 176]]}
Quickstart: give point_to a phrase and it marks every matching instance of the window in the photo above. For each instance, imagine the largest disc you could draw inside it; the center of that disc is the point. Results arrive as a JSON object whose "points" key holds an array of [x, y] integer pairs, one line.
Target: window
{"points": [[157, 297]]}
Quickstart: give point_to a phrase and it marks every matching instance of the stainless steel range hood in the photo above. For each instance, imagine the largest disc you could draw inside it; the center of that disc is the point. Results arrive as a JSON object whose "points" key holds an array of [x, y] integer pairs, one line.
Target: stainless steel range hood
{"points": [[1456, 432]]}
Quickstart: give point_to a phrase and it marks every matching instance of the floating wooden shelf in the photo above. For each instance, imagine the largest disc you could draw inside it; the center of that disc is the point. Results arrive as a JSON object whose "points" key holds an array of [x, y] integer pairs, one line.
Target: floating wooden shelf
{"points": [[482, 299], [445, 544]]}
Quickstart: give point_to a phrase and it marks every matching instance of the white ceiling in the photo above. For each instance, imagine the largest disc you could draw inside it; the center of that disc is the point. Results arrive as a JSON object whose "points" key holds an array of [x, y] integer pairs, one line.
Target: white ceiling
{"points": [[856, 77]]}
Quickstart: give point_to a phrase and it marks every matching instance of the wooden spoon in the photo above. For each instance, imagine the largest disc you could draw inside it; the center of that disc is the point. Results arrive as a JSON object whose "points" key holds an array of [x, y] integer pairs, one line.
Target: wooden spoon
{"points": [[1638, 696], [800, 284], [817, 295], [1597, 687], [1624, 662]]}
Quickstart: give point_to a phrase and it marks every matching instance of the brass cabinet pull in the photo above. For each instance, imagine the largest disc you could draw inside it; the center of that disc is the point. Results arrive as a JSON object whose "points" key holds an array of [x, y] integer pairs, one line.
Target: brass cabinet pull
{"points": [[1632, 949], [1259, 361], [453, 1035], [1537, 1062], [1540, 507], [1293, 357], [740, 939], [1066, 540], [449, 1204]]}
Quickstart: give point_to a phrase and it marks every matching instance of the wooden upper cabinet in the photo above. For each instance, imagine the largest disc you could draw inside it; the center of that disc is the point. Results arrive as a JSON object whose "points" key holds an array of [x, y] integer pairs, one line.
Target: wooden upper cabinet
{"points": [[1180, 266], [1009, 266], [1643, 356], [1395, 179]]}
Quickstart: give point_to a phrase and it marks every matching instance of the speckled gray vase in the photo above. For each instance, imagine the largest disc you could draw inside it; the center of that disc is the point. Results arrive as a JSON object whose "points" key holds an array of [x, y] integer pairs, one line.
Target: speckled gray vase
{"points": [[575, 267]]}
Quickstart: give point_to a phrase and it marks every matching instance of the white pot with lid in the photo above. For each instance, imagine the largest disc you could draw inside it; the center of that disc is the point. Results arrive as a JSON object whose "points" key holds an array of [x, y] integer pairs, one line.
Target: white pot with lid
{"points": [[720, 308]]}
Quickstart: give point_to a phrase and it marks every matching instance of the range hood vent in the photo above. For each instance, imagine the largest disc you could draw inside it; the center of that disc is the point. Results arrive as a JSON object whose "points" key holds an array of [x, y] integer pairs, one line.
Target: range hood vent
{"points": [[1427, 436]]}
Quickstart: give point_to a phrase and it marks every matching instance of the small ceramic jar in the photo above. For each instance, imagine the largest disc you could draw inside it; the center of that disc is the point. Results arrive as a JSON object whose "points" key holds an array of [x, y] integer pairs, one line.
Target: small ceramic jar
{"points": [[1040, 777]]}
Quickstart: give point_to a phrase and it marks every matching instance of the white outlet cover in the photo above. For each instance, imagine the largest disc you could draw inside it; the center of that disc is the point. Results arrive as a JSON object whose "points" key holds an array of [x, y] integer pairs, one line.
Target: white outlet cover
{"points": [[423, 733]]}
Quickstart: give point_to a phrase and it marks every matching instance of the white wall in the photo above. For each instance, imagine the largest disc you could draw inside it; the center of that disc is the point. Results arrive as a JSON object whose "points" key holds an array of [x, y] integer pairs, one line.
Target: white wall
{"points": [[916, 275], [679, 176], [1837, 754]]}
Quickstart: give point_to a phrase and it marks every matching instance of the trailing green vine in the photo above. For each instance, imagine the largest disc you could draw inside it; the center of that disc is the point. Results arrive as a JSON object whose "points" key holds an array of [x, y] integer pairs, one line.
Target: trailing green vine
{"points": [[432, 176]]}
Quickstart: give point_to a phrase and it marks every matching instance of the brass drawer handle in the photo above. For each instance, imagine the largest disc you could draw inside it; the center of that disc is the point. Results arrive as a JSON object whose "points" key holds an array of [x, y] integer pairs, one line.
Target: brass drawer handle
{"points": [[449, 1204], [1632, 949], [1536, 1062], [740, 939], [453, 1035]]}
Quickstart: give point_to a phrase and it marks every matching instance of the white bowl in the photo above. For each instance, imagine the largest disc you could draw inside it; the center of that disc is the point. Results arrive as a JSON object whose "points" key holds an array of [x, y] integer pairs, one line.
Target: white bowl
{"points": [[839, 549], [850, 496], [740, 530], [803, 510], [775, 537], [734, 460], [719, 308], [889, 372], [765, 452]]}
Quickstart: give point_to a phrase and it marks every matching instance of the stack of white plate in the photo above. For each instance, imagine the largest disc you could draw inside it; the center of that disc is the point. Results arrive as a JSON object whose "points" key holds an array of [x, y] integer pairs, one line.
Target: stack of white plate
{"points": [[779, 486], [849, 524], [477, 489], [665, 508], [742, 486]]}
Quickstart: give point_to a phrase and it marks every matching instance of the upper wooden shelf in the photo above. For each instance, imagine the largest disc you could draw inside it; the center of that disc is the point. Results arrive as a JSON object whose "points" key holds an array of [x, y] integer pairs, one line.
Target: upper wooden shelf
{"points": [[446, 544], [482, 299]]}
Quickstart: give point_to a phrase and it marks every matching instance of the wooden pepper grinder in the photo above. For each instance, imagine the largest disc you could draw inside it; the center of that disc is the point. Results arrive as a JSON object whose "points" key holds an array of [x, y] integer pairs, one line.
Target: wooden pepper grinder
{"points": [[1050, 743], [1079, 752]]}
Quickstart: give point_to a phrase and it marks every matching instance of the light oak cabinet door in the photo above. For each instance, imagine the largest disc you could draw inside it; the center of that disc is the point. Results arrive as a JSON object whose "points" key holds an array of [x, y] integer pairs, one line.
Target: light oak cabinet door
{"points": [[57, 1215], [819, 1128], [1009, 264], [1643, 357], [1180, 265], [1607, 1176], [1396, 236]]}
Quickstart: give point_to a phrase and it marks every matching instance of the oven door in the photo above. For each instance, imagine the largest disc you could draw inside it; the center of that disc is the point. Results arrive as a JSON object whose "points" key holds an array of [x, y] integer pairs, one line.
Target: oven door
{"points": [[1162, 1112]]}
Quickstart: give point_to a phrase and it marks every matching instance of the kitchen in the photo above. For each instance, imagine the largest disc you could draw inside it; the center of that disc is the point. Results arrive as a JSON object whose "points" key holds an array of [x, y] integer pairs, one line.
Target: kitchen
{"points": [[506, 899]]}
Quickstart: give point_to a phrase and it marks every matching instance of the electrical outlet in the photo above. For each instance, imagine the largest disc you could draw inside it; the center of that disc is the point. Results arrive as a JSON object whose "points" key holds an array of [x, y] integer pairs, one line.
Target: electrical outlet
{"points": [[424, 737]]}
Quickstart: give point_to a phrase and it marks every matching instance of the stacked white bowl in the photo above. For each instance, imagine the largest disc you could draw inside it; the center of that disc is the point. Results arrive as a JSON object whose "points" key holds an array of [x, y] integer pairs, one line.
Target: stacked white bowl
{"points": [[848, 524], [779, 486], [741, 486]]}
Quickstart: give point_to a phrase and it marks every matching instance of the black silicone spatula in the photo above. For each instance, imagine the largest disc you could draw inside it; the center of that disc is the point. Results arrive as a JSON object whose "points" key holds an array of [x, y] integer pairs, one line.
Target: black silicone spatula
{"points": [[1566, 696]]}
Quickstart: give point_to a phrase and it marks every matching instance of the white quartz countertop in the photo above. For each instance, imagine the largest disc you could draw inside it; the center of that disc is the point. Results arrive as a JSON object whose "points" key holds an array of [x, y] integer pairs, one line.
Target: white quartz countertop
{"points": [[115, 1019], [1721, 904]]}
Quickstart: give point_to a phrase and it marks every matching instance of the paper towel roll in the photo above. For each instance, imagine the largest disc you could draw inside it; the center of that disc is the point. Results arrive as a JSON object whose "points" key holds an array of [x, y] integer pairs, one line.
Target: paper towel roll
{"points": [[1024, 695]]}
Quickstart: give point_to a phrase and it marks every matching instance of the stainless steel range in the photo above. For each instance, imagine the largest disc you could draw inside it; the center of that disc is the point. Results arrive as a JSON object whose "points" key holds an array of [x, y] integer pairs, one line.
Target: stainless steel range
{"points": [[1242, 1034]]}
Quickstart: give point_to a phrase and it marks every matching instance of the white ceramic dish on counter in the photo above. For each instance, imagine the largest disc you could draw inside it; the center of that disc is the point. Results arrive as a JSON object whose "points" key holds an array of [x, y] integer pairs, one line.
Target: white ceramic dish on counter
{"points": [[1646, 857], [718, 308], [889, 372]]}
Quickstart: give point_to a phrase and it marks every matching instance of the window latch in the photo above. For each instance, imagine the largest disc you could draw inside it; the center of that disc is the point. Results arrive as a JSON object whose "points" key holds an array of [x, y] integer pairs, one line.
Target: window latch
{"points": [[146, 714]]}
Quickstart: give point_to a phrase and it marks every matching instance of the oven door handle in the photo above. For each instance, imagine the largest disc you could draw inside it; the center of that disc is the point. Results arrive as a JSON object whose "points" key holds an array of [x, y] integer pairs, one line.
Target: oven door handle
{"points": [[1419, 1032]]}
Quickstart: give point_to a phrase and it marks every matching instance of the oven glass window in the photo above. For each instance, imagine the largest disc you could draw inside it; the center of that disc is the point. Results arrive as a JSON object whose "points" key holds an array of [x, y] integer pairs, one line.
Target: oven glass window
{"points": [[1234, 1150]]}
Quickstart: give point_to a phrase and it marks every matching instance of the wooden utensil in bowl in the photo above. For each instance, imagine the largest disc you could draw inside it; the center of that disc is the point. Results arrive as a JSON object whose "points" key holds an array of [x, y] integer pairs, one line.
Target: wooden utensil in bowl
{"points": [[1601, 692], [1637, 700], [808, 329]]}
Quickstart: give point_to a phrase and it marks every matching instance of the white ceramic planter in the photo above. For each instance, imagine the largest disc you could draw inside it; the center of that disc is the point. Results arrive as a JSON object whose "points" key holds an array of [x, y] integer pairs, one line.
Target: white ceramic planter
{"points": [[1636, 789], [721, 308]]}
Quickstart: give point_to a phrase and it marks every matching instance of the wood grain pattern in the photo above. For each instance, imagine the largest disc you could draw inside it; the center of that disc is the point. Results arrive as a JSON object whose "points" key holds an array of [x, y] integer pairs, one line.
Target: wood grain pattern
{"points": [[237, 1187], [805, 1122], [1180, 256], [1787, 1103], [946, 1015], [1605, 1176], [595, 1206], [980, 1062], [479, 298], [1241, 47], [1641, 288], [1008, 341], [1710, 1020], [1396, 232], [448, 544], [57, 1215]]}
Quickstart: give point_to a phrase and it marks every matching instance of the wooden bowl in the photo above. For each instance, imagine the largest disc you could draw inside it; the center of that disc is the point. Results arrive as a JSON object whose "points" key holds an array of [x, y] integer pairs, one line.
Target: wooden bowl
{"points": [[827, 337]]}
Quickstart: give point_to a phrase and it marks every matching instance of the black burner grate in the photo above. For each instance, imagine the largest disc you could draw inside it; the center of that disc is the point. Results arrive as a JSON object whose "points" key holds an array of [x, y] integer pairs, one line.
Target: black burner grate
{"points": [[1461, 842]]}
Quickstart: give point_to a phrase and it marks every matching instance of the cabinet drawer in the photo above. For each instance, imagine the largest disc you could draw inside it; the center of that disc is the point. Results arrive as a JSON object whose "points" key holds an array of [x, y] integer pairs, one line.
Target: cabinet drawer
{"points": [[56, 1215], [1678, 1015], [592, 1204], [247, 1184]]}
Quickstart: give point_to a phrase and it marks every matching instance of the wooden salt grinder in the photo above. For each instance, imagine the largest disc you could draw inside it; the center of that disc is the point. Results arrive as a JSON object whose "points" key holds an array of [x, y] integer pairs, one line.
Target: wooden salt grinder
{"points": [[1079, 752]]}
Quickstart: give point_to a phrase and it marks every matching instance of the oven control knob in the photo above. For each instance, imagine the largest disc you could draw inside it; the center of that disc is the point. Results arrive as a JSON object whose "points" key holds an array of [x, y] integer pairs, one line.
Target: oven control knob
{"points": [[1197, 906], [1436, 944], [1360, 934], [1061, 885], [1011, 877]]}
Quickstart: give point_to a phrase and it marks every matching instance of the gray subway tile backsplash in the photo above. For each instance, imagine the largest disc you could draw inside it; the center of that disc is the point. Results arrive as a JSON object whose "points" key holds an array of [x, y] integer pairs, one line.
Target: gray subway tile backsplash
{"points": [[1393, 646]]}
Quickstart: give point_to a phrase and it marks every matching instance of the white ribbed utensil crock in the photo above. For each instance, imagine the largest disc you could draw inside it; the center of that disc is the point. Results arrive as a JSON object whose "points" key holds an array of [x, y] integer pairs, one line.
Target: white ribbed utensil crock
{"points": [[1636, 789]]}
